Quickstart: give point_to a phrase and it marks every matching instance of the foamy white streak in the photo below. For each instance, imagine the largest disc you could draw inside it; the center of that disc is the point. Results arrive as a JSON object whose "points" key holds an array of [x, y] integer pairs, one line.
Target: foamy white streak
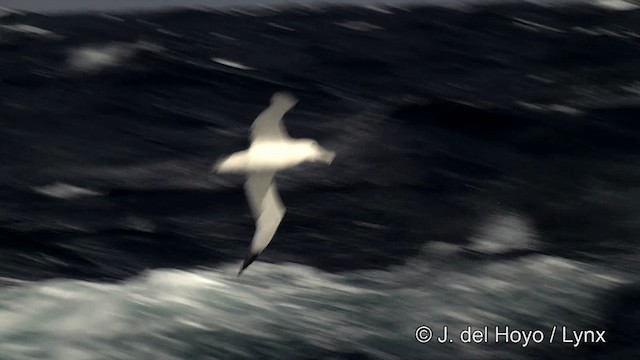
{"points": [[65, 191], [32, 31], [280, 26], [496, 235], [618, 5], [6, 12], [232, 64], [98, 57], [358, 26]]}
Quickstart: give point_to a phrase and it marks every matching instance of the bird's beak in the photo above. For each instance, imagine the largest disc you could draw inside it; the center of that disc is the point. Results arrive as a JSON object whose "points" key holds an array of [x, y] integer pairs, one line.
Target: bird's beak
{"points": [[328, 156]]}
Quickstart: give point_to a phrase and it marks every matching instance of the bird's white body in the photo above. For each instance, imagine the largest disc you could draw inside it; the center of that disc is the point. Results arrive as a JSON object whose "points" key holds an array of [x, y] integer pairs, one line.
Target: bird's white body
{"points": [[271, 150], [272, 156]]}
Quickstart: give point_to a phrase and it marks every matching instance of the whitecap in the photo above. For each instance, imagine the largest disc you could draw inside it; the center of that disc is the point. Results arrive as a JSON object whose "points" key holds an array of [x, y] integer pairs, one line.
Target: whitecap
{"points": [[30, 30], [223, 36], [269, 8], [98, 57], [359, 25], [565, 109], [379, 9], [618, 5], [7, 12], [633, 88], [280, 26], [93, 58], [369, 225], [140, 224], [532, 25], [111, 17], [541, 79], [502, 233], [167, 32], [65, 191], [230, 63]]}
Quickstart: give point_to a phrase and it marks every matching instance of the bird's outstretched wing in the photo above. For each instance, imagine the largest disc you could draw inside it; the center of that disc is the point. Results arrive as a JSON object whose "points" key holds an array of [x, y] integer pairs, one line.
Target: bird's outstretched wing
{"points": [[267, 210], [256, 188], [268, 125]]}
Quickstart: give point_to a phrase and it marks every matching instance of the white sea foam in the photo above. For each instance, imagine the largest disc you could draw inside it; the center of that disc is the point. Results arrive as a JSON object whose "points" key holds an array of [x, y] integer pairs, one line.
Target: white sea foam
{"points": [[379, 9], [618, 5], [4, 12], [98, 57], [167, 32], [65, 191], [140, 224], [295, 308], [583, 30], [528, 24], [633, 88], [280, 26], [358, 26], [561, 108], [232, 64], [565, 109], [541, 79], [111, 17], [503, 233], [599, 31], [32, 31], [223, 36]]}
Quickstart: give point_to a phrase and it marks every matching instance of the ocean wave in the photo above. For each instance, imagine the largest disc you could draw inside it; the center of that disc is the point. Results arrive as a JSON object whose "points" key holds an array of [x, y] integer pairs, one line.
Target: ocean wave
{"points": [[231, 7], [281, 311]]}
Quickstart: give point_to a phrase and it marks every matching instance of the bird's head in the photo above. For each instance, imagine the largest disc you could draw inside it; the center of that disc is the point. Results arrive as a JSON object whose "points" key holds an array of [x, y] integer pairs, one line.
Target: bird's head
{"points": [[318, 153]]}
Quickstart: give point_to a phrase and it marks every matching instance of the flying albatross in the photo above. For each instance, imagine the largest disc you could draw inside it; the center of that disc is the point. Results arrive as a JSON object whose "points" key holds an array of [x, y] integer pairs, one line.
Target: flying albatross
{"points": [[271, 149]]}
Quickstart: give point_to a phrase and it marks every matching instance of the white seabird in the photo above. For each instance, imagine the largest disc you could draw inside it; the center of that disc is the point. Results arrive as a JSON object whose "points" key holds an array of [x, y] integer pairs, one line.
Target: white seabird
{"points": [[271, 150]]}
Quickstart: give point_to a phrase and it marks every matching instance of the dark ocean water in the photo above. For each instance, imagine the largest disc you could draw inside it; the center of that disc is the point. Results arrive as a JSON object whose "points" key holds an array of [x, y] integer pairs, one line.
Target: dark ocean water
{"points": [[487, 174]]}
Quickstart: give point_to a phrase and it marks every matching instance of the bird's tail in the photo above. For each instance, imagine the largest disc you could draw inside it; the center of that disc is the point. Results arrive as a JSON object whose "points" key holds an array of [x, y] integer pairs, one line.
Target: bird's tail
{"points": [[251, 257]]}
